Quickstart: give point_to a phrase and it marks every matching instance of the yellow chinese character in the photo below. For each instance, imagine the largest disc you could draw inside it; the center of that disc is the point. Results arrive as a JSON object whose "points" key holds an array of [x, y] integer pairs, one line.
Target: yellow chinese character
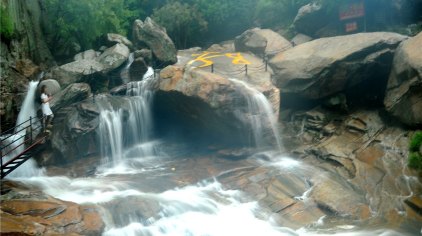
{"points": [[204, 58], [237, 58]]}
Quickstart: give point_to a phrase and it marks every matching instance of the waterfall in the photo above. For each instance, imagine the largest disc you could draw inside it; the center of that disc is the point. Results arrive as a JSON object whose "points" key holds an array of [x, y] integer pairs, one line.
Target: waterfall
{"points": [[116, 132], [260, 115], [124, 73], [28, 109]]}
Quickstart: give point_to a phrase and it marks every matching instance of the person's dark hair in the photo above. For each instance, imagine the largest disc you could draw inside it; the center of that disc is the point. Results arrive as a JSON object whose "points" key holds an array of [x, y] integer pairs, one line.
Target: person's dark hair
{"points": [[43, 87]]}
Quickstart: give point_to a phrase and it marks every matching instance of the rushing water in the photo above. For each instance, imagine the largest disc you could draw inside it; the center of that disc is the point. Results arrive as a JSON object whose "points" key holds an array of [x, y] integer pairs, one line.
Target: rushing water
{"points": [[28, 109], [261, 115], [116, 133], [137, 186]]}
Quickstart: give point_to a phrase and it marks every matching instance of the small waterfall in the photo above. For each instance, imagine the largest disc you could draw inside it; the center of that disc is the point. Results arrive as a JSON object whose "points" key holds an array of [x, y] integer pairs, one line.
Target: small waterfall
{"points": [[28, 109], [118, 131], [261, 114], [124, 73]]}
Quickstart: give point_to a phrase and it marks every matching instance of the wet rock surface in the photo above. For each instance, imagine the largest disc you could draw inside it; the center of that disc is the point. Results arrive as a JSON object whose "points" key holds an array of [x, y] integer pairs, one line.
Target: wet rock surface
{"points": [[26, 211], [404, 90]]}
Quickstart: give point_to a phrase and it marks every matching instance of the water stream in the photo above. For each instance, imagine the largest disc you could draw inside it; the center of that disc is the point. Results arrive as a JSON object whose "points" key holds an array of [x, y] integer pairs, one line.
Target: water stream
{"points": [[141, 188], [28, 109]]}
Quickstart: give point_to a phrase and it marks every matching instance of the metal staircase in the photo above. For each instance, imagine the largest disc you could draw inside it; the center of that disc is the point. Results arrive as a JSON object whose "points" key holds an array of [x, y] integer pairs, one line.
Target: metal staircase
{"points": [[18, 144]]}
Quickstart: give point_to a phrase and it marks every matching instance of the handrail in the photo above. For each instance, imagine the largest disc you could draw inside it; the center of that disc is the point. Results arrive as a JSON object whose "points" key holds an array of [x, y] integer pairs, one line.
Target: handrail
{"points": [[7, 132], [23, 143], [31, 120]]}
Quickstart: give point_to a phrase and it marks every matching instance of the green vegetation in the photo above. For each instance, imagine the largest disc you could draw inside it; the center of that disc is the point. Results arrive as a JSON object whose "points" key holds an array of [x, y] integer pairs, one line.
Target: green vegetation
{"points": [[188, 22], [83, 22], [183, 22], [6, 26], [415, 157]]}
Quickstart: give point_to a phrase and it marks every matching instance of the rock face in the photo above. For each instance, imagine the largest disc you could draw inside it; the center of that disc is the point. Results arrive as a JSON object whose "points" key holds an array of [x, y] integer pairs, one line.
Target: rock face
{"points": [[22, 56], [327, 66], [213, 104], [88, 54], [261, 42], [110, 39], [150, 34], [404, 90], [109, 60], [114, 57], [73, 93], [75, 128], [31, 212]]}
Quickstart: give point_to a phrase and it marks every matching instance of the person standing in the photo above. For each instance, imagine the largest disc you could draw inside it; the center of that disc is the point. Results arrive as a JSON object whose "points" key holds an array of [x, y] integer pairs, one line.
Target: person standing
{"points": [[45, 107]]}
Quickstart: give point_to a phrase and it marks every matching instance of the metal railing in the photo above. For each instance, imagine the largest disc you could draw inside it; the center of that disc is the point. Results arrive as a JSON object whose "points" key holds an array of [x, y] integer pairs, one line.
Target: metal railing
{"points": [[7, 147]]}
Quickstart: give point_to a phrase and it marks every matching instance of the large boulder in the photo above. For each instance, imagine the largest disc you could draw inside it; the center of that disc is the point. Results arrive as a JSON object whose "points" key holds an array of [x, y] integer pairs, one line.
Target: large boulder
{"points": [[311, 18], [71, 94], [76, 128], [215, 104], [74, 71], [138, 69], [88, 54], [109, 60], [111, 39], [261, 42], [52, 85], [153, 36], [404, 90], [327, 66], [114, 57]]}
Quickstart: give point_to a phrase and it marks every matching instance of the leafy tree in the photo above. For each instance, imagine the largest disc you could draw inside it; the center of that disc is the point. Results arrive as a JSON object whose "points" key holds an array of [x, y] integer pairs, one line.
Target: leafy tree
{"points": [[81, 22], [278, 12], [184, 23], [6, 24]]}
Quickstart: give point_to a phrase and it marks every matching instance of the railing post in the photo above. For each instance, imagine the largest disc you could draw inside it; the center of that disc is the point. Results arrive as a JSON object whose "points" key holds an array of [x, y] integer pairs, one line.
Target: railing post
{"points": [[30, 128], [266, 65], [212, 68], [246, 69]]}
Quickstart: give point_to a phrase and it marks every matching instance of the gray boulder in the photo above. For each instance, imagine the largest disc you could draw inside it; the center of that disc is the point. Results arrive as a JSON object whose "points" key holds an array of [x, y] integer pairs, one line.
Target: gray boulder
{"points": [[326, 66], [153, 36], [310, 18], [261, 42], [146, 54], [404, 90], [76, 128], [73, 72], [111, 39], [114, 57], [53, 86], [88, 54], [300, 39], [70, 95], [138, 69]]}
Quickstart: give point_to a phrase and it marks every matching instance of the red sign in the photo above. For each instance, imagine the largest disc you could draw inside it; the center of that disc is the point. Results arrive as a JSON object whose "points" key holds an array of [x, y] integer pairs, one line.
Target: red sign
{"points": [[352, 26], [353, 10]]}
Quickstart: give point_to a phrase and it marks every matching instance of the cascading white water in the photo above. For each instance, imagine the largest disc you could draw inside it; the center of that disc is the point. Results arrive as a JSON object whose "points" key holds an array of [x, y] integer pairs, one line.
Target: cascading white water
{"points": [[116, 133], [28, 109], [261, 114], [124, 73]]}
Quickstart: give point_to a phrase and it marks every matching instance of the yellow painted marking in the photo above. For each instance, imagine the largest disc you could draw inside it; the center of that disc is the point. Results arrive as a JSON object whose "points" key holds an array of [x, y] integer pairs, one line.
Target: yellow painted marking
{"points": [[206, 56], [203, 57], [237, 58]]}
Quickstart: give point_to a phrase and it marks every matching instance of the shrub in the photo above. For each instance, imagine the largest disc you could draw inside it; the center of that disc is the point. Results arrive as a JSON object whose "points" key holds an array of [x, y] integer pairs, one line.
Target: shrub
{"points": [[415, 142], [415, 161], [6, 26]]}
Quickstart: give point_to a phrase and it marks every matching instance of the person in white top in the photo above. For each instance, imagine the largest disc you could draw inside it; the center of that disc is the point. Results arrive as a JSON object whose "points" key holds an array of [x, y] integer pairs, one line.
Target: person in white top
{"points": [[45, 107]]}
